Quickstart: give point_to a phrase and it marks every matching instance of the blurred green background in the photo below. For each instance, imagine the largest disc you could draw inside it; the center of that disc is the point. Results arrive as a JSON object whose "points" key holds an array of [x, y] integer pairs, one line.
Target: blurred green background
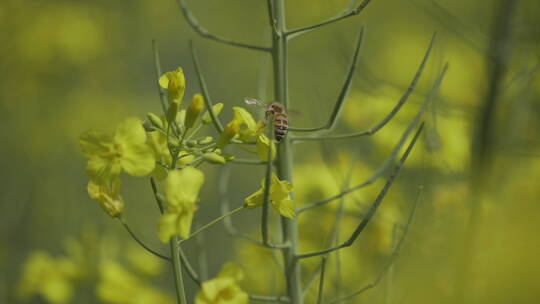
{"points": [[70, 66]]}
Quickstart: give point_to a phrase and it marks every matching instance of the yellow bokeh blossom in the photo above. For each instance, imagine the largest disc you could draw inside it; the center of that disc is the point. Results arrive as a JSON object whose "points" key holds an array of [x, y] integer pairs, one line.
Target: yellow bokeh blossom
{"points": [[224, 288], [127, 150], [118, 286], [280, 197], [48, 277], [181, 194]]}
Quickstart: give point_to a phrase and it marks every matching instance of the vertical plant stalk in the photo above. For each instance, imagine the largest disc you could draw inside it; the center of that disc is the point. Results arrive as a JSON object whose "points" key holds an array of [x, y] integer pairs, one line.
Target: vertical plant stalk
{"points": [[174, 242], [177, 270], [285, 153]]}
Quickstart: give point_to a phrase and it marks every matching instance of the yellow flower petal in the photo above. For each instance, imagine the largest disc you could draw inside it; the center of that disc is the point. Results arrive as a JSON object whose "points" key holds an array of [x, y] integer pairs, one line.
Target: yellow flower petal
{"points": [[109, 199], [136, 157], [224, 288], [279, 197], [263, 144], [182, 186]]}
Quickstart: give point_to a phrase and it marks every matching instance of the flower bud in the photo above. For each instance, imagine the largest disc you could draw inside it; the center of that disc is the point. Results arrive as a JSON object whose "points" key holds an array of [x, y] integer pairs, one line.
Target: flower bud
{"points": [[148, 127], [194, 110], [155, 120], [206, 140], [206, 119], [214, 158], [191, 143], [230, 131]]}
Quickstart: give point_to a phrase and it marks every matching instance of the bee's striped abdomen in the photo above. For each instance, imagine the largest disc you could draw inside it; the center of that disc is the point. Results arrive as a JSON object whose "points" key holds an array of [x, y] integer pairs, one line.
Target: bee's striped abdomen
{"points": [[281, 124]]}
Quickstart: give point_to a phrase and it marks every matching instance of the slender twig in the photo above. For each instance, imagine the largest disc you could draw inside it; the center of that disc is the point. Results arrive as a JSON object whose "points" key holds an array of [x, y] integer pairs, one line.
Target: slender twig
{"points": [[274, 299], [272, 15], [248, 161], [347, 13], [392, 155], [391, 114], [189, 268], [157, 66], [312, 278], [202, 257], [177, 270], [202, 83], [374, 206], [143, 245], [321, 280], [156, 195], [211, 223], [342, 94], [194, 23], [392, 257]]}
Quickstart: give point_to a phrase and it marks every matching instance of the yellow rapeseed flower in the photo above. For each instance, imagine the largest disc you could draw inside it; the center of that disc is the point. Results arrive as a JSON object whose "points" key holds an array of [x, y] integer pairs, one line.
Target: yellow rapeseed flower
{"points": [[108, 198], [175, 83], [246, 129], [127, 150], [224, 288], [181, 194], [280, 197]]}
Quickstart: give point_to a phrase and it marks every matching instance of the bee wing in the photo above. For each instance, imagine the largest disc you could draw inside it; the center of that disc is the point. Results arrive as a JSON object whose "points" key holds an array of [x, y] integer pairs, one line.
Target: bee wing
{"points": [[255, 102], [257, 107]]}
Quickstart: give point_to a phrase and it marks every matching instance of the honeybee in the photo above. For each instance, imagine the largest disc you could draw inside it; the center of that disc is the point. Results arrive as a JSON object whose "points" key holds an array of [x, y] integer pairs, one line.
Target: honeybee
{"points": [[275, 111]]}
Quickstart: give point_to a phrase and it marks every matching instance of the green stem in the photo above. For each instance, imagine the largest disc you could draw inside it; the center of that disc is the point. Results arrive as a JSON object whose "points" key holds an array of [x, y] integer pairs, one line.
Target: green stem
{"points": [[143, 245], [177, 270], [285, 153], [214, 221]]}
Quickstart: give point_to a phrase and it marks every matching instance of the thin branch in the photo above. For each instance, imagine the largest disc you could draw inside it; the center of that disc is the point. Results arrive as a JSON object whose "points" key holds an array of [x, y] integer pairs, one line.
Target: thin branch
{"points": [[374, 206], [261, 298], [156, 195], [207, 101], [143, 245], [202, 257], [247, 161], [189, 268], [194, 23], [321, 279], [391, 114], [342, 94], [392, 257], [267, 185], [272, 15], [346, 14], [382, 168], [211, 223]]}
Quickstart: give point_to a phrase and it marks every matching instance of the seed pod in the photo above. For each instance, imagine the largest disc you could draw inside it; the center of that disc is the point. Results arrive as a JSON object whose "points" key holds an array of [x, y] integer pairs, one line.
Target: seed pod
{"points": [[206, 140], [155, 120], [230, 131], [214, 158]]}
